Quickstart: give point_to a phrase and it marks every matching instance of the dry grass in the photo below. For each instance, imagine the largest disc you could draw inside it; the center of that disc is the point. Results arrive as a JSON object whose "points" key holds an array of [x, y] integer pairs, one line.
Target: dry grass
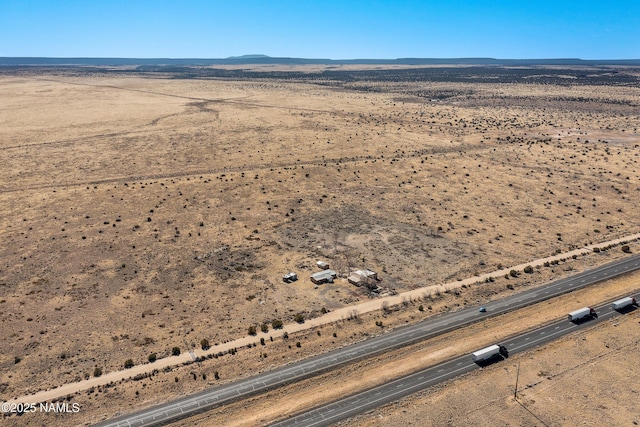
{"points": [[138, 213]]}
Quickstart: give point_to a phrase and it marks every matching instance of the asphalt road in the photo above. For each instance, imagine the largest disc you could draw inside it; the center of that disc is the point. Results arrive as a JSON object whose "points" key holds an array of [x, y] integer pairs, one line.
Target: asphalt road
{"points": [[397, 389], [207, 399]]}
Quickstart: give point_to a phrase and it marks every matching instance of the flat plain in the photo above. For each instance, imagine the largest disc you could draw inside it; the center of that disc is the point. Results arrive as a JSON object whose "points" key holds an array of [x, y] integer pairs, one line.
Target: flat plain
{"points": [[142, 210]]}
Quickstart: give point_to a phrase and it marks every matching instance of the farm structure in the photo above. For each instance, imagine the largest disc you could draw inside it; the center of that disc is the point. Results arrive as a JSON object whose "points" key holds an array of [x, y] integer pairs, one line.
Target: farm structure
{"points": [[324, 276], [360, 277], [323, 265], [290, 277]]}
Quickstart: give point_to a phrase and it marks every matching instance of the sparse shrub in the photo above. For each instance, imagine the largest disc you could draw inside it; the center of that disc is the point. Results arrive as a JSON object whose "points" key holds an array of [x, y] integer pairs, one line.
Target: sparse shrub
{"points": [[510, 286], [252, 330], [128, 364], [152, 357], [264, 328], [262, 341], [420, 308], [596, 250], [97, 372], [204, 344], [513, 273], [299, 318], [216, 375], [626, 249], [298, 344], [16, 360], [285, 336], [277, 324], [528, 269], [175, 351]]}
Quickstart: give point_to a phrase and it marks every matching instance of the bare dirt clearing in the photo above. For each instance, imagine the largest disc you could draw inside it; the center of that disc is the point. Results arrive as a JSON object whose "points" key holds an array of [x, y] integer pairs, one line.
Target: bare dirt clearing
{"points": [[140, 211]]}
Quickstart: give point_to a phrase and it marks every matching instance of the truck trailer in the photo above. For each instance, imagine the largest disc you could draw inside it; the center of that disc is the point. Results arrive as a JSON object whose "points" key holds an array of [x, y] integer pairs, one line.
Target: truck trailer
{"points": [[489, 352], [583, 313], [623, 303]]}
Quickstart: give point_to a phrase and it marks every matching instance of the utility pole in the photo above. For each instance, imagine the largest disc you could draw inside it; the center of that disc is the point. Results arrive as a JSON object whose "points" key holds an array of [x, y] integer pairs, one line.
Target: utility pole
{"points": [[515, 391]]}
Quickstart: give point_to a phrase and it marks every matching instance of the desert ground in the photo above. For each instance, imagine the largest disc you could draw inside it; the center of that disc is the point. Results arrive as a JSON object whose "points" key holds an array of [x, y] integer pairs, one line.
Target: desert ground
{"points": [[146, 210]]}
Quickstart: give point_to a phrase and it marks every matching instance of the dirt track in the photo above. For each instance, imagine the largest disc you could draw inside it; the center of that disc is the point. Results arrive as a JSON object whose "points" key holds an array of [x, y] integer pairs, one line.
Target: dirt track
{"points": [[291, 328]]}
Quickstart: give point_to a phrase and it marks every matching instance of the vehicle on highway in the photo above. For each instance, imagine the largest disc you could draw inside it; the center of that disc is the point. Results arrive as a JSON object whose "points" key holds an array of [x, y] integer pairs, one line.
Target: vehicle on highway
{"points": [[582, 314], [489, 353], [624, 303], [483, 309]]}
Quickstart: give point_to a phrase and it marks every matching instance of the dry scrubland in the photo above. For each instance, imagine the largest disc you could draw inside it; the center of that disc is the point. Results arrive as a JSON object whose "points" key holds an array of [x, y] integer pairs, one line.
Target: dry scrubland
{"points": [[139, 212]]}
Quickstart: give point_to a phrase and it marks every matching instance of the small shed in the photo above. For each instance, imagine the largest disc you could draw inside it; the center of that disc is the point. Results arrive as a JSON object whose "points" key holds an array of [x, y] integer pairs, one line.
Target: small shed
{"points": [[323, 265], [290, 277], [324, 276]]}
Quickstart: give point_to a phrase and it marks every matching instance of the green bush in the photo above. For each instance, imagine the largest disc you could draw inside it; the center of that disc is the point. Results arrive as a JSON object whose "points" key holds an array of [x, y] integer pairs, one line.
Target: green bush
{"points": [[252, 330], [264, 328], [152, 357], [97, 372], [528, 269], [175, 351], [128, 364], [277, 324], [204, 344]]}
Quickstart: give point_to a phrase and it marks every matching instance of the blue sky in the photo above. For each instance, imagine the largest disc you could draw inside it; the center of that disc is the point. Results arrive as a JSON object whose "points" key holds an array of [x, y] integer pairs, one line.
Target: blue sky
{"points": [[321, 29]]}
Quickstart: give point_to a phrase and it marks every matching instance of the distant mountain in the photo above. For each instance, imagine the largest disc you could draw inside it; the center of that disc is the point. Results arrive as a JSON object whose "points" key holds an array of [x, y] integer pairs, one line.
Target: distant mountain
{"points": [[264, 59], [248, 56]]}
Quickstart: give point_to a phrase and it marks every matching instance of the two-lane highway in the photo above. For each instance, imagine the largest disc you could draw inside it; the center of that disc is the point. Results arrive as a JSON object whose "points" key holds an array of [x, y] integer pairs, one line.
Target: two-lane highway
{"points": [[207, 399], [397, 389]]}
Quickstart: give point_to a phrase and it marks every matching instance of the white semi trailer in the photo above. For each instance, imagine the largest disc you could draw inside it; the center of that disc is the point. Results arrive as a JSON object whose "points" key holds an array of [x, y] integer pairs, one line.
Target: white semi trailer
{"points": [[623, 303], [489, 352], [583, 313]]}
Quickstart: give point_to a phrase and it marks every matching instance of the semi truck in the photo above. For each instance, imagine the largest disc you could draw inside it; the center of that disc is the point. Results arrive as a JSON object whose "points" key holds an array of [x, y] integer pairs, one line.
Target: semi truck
{"points": [[581, 314], [623, 303], [490, 352]]}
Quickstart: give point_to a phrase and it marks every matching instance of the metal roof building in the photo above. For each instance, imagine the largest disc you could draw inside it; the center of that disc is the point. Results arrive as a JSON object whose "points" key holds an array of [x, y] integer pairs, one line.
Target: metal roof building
{"points": [[323, 276]]}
